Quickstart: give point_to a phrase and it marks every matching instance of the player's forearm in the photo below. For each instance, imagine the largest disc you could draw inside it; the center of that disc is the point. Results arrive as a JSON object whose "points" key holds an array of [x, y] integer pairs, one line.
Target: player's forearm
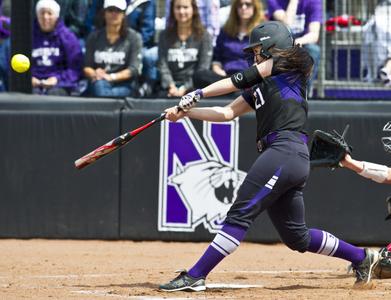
{"points": [[352, 164], [375, 172], [388, 180], [211, 114]]}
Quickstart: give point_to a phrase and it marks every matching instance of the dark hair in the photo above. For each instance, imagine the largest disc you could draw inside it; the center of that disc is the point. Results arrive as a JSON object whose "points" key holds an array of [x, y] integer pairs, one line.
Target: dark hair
{"points": [[295, 60], [123, 31], [231, 26], [196, 26]]}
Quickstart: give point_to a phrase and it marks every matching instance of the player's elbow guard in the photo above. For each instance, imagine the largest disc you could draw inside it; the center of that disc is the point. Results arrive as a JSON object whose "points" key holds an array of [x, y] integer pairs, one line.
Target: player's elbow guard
{"points": [[247, 78]]}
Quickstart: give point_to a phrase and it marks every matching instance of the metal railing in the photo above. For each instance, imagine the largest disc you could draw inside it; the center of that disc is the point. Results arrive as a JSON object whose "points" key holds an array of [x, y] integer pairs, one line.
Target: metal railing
{"points": [[343, 45]]}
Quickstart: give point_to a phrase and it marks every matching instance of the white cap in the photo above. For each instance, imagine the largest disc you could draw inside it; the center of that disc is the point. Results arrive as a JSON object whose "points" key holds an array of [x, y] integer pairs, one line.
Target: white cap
{"points": [[50, 4], [120, 4]]}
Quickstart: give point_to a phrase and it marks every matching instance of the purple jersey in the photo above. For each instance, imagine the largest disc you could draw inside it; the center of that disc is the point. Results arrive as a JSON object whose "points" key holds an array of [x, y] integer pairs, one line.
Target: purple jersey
{"points": [[308, 11]]}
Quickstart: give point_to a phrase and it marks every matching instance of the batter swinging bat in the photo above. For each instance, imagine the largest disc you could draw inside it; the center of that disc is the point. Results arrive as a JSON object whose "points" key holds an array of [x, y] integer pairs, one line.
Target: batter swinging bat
{"points": [[114, 144]]}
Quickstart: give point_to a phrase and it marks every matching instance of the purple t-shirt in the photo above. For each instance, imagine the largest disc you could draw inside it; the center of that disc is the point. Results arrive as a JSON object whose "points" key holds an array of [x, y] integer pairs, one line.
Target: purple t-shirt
{"points": [[308, 11], [229, 52]]}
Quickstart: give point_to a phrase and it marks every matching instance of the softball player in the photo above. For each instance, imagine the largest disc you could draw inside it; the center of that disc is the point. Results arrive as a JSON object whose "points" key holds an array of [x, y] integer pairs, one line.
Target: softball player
{"points": [[275, 87], [380, 174]]}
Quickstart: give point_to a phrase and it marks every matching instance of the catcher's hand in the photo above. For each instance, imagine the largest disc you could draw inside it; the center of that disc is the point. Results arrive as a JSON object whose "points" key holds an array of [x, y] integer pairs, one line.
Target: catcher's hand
{"points": [[189, 100], [328, 149]]}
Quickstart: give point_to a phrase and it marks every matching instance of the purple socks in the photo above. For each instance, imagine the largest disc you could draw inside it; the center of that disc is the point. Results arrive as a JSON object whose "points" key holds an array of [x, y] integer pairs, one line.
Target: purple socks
{"points": [[325, 243], [225, 242], [229, 237]]}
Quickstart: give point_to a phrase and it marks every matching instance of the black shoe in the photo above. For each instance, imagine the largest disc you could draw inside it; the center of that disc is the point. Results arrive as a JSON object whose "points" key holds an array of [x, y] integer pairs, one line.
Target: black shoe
{"points": [[364, 271], [184, 282]]}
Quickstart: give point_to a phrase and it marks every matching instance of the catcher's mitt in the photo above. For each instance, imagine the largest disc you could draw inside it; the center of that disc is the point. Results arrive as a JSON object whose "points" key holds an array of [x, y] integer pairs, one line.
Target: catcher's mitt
{"points": [[383, 268], [328, 149]]}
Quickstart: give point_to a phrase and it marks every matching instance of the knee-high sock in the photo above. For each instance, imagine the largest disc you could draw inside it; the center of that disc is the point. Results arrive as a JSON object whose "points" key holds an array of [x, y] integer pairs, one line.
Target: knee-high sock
{"points": [[225, 242], [325, 243]]}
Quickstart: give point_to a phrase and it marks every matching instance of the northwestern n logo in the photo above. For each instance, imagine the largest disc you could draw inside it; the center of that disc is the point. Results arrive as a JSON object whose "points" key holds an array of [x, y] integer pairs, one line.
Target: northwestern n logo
{"points": [[198, 182]]}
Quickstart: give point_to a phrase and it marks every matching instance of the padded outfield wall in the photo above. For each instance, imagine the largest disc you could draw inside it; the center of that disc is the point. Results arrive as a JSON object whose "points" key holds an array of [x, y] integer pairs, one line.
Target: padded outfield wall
{"points": [[150, 189]]}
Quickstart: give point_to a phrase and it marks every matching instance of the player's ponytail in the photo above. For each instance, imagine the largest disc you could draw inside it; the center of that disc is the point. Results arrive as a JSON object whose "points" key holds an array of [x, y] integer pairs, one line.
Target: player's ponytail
{"points": [[295, 60]]}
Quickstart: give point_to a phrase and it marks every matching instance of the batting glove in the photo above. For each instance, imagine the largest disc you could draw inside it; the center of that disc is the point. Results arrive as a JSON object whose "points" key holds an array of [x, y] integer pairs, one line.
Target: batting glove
{"points": [[189, 100]]}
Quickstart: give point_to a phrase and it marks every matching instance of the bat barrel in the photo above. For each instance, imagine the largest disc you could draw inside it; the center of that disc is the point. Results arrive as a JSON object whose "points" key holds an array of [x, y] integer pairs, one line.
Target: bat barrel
{"points": [[81, 163], [97, 153], [113, 144]]}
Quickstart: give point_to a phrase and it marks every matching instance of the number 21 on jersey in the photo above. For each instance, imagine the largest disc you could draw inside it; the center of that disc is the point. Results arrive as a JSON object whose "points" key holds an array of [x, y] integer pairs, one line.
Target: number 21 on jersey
{"points": [[258, 98]]}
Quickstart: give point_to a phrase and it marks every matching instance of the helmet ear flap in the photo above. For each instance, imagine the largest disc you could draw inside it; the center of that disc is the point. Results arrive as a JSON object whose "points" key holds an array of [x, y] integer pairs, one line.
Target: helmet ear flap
{"points": [[265, 52]]}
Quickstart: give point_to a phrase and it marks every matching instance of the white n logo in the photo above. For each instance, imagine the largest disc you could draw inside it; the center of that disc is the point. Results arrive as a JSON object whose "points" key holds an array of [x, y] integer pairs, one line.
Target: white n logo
{"points": [[198, 181]]}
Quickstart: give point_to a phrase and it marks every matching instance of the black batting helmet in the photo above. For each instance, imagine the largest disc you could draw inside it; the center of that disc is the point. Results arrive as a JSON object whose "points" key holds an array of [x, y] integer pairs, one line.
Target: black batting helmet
{"points": [[269, 34]]}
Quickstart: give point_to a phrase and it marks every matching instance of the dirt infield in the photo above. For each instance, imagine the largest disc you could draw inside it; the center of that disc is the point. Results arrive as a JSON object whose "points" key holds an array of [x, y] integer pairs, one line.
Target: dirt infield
{"points": [[68, 269]]}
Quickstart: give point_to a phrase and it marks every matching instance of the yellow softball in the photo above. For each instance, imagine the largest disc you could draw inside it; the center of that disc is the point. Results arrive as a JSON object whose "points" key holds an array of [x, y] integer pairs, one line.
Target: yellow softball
{"points": [[20, 63]]}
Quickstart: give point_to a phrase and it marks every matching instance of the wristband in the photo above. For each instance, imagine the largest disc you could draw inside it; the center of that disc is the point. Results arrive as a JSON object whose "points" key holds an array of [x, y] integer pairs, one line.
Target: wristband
{"points": [[375, 172], [200, 93]]}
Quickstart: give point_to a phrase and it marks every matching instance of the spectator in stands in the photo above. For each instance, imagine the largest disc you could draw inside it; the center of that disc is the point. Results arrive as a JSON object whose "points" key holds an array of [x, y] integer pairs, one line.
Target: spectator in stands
{"points": [[209, 14], [141, 17], [56, 53], [184, 48], [376, 46], [73, 13], [113, 54], [228, 55], [304, 17], [5, 22]]}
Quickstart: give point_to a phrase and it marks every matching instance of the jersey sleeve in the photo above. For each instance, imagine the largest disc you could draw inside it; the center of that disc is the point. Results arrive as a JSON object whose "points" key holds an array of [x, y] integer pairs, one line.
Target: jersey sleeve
{"points": [[248, 97], [315, 11], [273, 5]]}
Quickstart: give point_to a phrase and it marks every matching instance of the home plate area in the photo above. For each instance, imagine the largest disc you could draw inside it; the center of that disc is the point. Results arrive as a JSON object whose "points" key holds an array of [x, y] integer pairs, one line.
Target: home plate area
{"points": [[89, 269]]}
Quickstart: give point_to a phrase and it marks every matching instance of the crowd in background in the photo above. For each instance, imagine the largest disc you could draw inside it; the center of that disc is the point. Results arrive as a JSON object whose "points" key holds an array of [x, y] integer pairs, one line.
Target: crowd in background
{"points": [[111, 48]]}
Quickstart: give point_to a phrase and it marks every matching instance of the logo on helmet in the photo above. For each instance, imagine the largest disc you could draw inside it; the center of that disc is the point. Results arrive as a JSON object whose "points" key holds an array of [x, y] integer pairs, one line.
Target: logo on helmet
{"points": [[387, 139], [264, 38], [199, 181]]}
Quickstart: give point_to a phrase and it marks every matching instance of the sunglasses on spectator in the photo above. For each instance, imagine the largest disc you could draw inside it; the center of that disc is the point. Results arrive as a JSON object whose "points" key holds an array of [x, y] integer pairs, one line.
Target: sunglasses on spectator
{"points": [[245, 5], [113, 9]]}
